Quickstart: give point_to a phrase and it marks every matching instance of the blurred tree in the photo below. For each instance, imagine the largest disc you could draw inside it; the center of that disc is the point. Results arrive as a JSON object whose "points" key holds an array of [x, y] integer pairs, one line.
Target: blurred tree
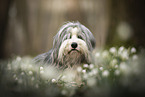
{"points": [[126, 25], [4, 8], [33, 23]]}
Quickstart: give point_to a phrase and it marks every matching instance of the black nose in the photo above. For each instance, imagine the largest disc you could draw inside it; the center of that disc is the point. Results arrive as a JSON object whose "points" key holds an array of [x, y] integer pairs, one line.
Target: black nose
{"points": [[74, 45]]}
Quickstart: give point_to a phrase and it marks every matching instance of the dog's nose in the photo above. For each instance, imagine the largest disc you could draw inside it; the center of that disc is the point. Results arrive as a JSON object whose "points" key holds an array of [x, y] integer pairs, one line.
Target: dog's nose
{"points": [[74, 45]]}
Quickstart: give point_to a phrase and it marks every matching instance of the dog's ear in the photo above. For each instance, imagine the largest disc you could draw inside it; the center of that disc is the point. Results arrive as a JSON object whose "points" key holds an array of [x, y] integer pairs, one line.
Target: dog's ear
{"points": [[59, 36], [89, 35], [55, 40]]}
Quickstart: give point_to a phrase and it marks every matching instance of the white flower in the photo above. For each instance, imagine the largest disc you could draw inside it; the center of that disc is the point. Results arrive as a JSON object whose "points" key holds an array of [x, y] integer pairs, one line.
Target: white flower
{"points": [[41, 68], [105, 73], [79, 69], [101, 68], [114, 62], [53, 80], [112, 50], [133, 50], [86, 65], [30, 72], [95, 71], [63, 77], [91, 66], [134, 57], [18, 58], [121, 49], [125, 54], [83, 71], [97, 54], [105, 53]]}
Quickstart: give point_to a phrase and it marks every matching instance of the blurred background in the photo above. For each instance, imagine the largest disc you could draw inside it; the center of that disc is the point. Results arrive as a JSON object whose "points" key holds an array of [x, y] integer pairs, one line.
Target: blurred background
{"points": [[27, 27]]}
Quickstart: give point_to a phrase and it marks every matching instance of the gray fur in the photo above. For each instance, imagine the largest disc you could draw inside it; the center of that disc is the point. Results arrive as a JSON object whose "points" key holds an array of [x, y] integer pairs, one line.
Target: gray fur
{"points": [[51, 57]]}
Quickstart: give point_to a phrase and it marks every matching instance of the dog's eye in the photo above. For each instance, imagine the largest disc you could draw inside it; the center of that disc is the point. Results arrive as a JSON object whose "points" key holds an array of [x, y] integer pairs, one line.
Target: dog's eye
{"points": [[80, 37]]}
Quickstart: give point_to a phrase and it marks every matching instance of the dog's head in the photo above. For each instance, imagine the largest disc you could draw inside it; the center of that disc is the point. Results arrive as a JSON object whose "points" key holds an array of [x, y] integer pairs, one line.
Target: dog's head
{"points": [[73, 44]]}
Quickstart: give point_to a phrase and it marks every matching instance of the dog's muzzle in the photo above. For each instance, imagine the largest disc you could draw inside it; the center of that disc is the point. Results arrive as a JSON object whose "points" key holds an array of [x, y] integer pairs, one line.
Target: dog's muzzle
{"points": [[74, 45]]}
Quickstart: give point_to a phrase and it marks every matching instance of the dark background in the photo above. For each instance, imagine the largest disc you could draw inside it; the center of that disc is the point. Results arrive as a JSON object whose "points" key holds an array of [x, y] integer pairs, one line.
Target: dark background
{"points": [[27, 27]]}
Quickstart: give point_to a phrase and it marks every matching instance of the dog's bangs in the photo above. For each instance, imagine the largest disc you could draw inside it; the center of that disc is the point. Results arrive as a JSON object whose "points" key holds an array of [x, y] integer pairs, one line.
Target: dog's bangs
{"points": [[67, 36]]}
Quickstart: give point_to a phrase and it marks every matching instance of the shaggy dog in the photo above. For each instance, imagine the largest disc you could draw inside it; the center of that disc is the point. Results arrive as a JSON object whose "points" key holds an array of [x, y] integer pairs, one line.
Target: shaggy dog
{"points": [[72, 46]]}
